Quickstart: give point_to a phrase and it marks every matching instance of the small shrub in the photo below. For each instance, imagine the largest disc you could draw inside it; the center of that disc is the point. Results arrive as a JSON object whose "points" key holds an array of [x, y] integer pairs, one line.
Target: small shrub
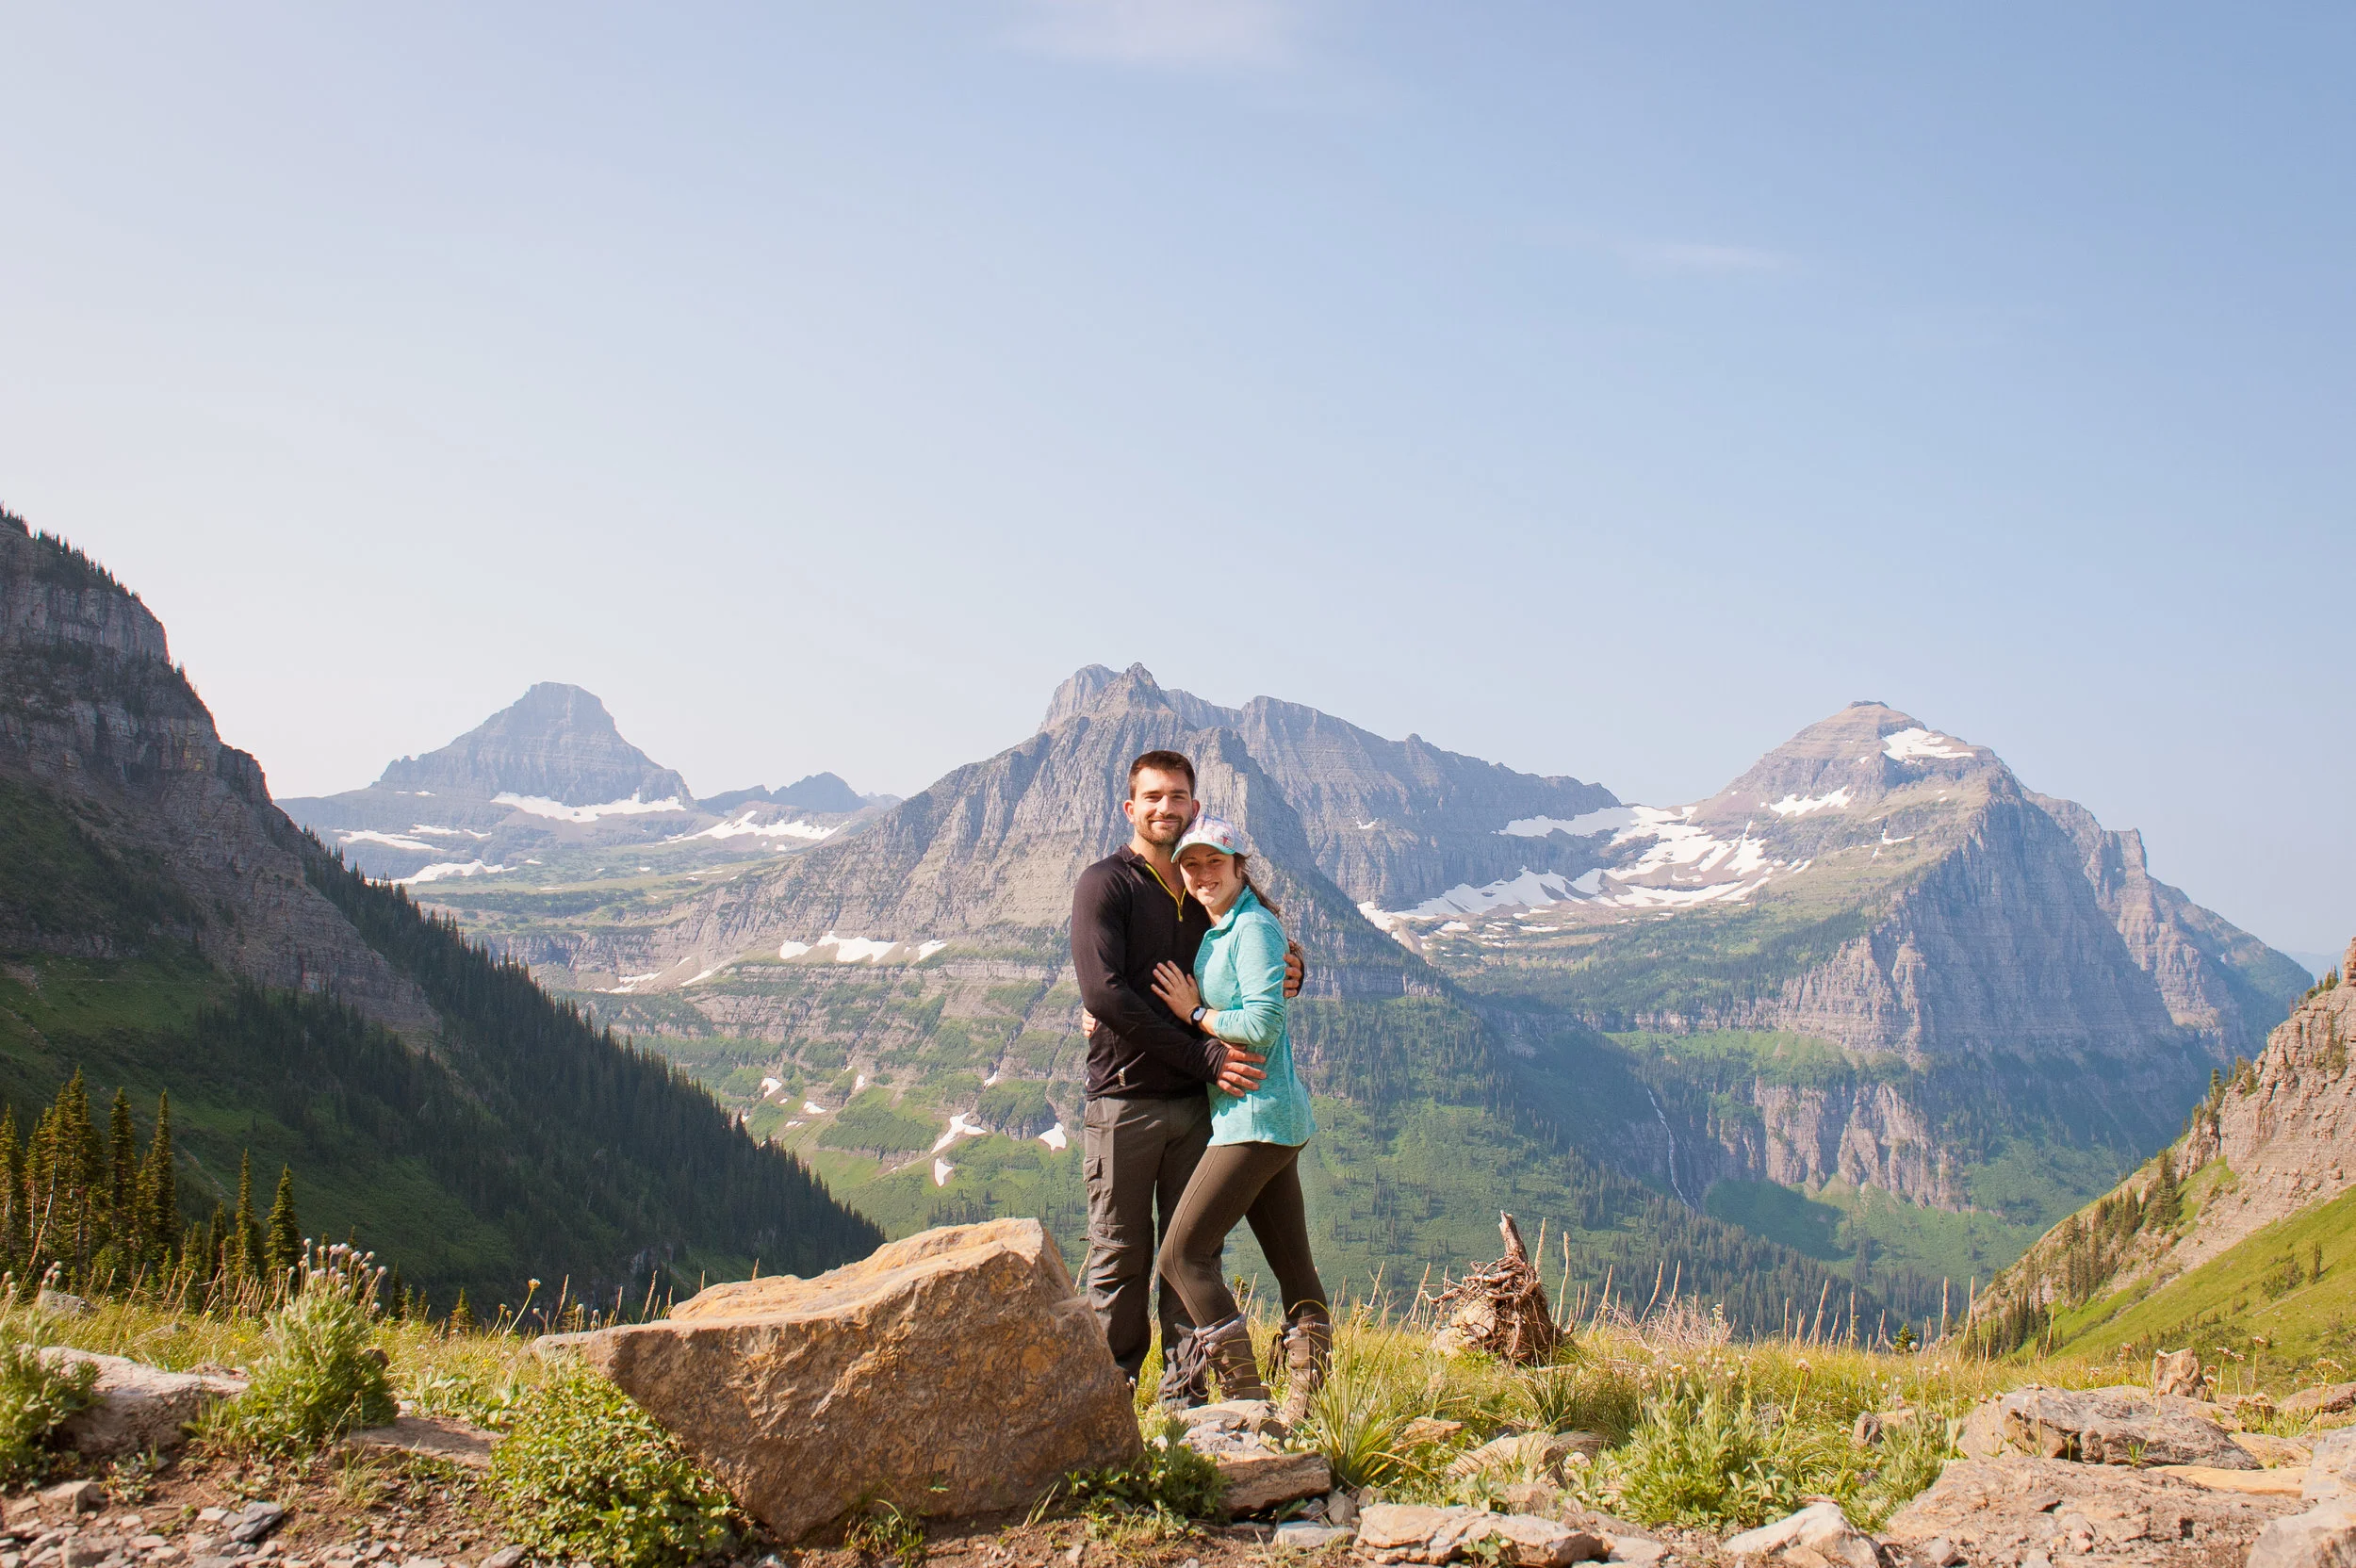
{"points": [[34, 1399], [585, 1473], [1358, 1420], [319, 1378], [1169, 1482], [889, 1533], [1710, 1463]]}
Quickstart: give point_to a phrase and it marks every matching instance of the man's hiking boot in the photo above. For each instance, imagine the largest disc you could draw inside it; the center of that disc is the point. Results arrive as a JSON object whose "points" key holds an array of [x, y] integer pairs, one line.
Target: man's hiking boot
{"points": [[1226, 1350], [1186, 1380], [1308, 1351]]}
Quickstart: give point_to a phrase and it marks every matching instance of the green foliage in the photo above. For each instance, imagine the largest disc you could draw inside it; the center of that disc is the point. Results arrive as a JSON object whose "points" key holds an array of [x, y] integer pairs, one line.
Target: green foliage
{"points": [[321, 1375], [1168, 1480], [586, 1474], [1016, 1106], [282, 1239], [871, 1124], [34, 1399], [887, 1533], [1718, 1463]]}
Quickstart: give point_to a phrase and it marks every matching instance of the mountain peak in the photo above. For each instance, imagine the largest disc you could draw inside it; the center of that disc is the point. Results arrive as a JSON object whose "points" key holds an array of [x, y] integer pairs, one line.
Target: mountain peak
{"points": [[1866, 749], [556, 742]]}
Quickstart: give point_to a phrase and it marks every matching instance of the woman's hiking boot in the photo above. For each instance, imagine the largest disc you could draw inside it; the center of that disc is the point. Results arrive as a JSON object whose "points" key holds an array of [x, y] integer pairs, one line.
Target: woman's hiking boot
{"points": [[1186, 1381], [1308, 1352], [1226, 1350]]}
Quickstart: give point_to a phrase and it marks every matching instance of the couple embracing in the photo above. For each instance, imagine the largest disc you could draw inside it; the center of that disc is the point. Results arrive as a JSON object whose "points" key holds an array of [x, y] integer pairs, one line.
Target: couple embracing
{"points": [[1193, 1106]]}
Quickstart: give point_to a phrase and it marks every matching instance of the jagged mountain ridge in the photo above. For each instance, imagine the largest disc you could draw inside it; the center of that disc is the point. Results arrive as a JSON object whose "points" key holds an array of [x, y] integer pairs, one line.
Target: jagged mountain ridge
{"points": [[165, 928], [1392, 823]]}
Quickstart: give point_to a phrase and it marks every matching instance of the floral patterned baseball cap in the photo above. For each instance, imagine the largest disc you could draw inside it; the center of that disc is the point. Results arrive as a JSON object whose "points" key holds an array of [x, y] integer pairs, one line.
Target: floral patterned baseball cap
{"points": [[1217, 832]]}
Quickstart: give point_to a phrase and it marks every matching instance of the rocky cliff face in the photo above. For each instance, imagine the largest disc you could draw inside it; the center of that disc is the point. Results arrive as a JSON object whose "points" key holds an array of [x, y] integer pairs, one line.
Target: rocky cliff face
{"points": [[2270, 1140], [1990, 959], [95, 717], [555, 742], [1391, 822]]}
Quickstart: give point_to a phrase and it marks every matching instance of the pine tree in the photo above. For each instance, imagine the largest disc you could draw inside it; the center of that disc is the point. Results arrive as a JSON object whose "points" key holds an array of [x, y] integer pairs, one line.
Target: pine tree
{"points": [[220, 1251], [283, 1245], [461, 1316], [245, 1240], [122, 1188], [396, 1305], [159, 1187], [12, 1237], [2167, 1204]]}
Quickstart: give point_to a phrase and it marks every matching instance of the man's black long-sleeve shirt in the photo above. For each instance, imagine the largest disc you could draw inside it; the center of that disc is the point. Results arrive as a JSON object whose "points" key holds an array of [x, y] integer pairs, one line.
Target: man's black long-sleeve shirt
{"points": [[1124, 921]]}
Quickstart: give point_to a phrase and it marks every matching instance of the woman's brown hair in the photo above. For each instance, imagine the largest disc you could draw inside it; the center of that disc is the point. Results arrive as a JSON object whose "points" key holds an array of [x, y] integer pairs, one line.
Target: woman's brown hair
{"points": [[1243, 869]]}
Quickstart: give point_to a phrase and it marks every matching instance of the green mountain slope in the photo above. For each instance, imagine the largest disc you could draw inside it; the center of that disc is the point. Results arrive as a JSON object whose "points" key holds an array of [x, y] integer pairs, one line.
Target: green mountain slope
{"points": [[164, 928]]}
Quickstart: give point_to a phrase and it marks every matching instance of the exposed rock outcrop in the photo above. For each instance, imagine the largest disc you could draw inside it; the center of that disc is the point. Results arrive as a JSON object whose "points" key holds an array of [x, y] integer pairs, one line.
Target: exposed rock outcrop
{"points": [[2011, 1510], [555, 742], [2101, 1426], [94, 715], [952, 1373]]}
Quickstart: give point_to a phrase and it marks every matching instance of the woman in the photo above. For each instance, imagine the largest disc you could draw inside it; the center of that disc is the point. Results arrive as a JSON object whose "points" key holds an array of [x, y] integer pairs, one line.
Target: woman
{"points": [[1237, 993]]}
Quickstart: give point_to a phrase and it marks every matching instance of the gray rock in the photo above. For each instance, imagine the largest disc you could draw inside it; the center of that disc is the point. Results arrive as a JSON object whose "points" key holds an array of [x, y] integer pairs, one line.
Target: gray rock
{"points": [[2179, 1372], [2101, 1426], [2013, 1507], [57, 1303], [1255, 1482], [250, 1524], [1304, 1537], [2323, 1536], [139, 1407], [433, 1437], [2332, 1467], [2326, 1399], [1400, 1532], [74, 1497], [506, 1557], [1821, 1528], [1341, 1508]]}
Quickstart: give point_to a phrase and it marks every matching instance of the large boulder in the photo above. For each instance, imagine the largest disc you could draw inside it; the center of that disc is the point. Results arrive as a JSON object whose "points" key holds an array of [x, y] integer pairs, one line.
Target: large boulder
{"points": [[2323, 1536], [2332, 1466], [2101, 1426], [2013, 1508], [139, 1407], [2323, 1399], [954, 1372]]}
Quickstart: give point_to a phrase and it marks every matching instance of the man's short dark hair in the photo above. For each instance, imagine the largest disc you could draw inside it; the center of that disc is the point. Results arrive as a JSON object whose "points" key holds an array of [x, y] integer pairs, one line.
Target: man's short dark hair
{"points": [[1161, 761]]}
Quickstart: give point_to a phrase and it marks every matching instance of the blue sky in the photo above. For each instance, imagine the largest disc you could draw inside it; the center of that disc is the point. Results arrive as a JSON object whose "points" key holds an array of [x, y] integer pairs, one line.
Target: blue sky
{"points": [[1601, 391]]}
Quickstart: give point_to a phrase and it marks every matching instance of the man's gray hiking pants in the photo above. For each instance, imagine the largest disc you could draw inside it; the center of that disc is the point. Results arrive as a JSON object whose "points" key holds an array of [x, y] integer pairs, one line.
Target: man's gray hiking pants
{"points": [[1137, 1156]]}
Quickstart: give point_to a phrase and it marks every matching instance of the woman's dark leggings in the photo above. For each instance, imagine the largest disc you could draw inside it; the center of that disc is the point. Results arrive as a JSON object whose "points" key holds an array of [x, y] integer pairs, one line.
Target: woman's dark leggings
{"points": [[1259, 1181]]}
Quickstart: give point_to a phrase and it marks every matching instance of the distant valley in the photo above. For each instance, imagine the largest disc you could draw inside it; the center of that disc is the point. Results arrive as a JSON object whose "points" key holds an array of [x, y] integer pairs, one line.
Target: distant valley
{"points": [[1876, 1006]]}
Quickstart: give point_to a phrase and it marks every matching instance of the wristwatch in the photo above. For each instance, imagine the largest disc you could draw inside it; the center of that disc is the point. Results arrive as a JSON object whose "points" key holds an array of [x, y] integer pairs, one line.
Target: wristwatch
{"points": [[1196, 1016]]}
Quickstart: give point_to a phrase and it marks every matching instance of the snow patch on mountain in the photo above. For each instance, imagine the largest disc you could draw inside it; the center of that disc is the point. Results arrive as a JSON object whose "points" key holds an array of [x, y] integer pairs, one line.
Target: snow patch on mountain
{"points": [[1798, 806], [742, 826], [370, 835], [441, 869], [1609, 819], [960, 1126], [541, 806], [1914, 745]]}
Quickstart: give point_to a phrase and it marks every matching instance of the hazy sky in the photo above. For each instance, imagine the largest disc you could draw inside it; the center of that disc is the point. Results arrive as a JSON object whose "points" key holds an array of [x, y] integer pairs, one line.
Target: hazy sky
{"points": [[1604, 390]]}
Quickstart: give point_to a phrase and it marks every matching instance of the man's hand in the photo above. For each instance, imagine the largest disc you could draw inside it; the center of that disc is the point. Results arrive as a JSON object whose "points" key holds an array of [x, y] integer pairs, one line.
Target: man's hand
{"points": [[1088, 1024], [1240, 1073], [1294, 969]]}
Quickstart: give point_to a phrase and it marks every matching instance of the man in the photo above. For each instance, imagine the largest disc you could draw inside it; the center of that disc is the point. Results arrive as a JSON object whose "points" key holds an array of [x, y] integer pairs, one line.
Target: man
{"points": [[1148, 1119]]}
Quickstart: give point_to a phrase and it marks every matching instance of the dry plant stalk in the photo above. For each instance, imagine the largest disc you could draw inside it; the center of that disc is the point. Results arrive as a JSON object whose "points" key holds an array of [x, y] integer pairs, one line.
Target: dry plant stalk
{"points": [[1499, 1307]]}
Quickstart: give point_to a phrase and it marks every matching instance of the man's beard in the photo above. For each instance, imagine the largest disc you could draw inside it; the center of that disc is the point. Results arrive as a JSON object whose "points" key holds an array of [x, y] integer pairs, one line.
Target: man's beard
{"points": [[1159, 831]]}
